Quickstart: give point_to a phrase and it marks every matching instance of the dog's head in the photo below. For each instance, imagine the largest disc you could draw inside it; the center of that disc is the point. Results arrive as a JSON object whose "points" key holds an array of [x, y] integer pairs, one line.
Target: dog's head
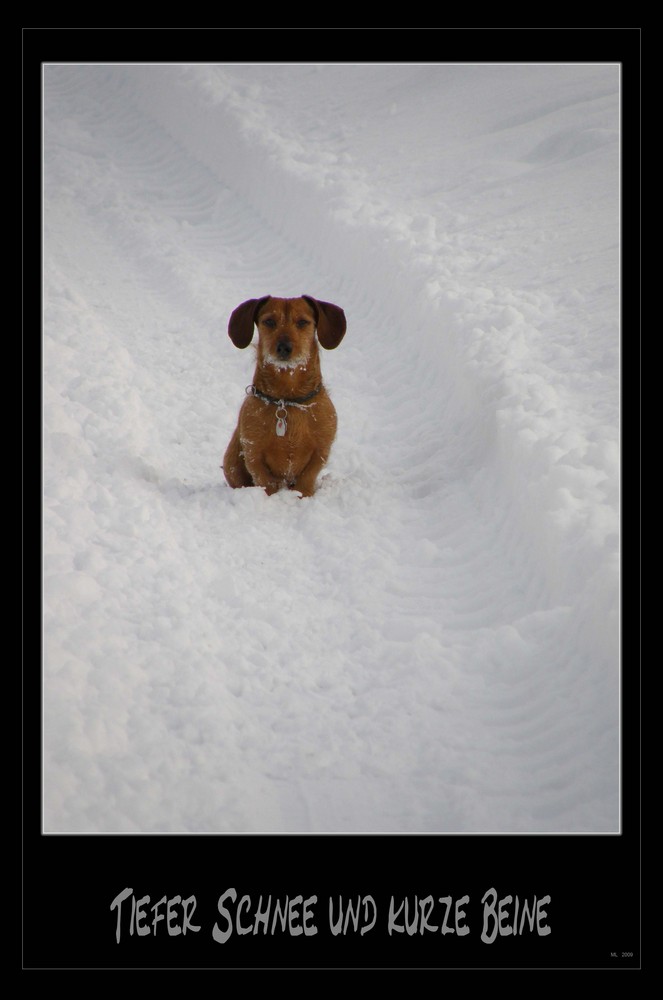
{"points": [[287, 327]]}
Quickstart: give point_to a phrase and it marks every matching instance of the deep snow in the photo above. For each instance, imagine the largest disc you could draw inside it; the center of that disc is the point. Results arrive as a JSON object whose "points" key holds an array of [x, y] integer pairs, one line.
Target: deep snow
{"points": [[431, 643]]}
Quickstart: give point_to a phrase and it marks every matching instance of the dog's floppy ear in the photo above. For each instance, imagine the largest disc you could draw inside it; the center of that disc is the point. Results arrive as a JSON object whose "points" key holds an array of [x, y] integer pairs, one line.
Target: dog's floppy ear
{"points": [[242, 320], [330, 322]]}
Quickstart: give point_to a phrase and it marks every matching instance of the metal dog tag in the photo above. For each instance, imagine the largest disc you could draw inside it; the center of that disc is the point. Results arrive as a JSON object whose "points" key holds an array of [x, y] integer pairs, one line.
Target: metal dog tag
{"points": [[281, 415]]}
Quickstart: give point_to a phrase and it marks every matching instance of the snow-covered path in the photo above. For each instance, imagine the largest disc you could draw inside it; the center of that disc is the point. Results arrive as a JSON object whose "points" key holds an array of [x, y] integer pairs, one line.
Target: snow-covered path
{"points": [[431, 643]]}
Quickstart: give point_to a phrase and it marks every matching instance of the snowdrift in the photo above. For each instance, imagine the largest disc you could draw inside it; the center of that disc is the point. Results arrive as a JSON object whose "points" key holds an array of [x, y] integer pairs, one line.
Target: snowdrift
{"points": [[431, 643]]}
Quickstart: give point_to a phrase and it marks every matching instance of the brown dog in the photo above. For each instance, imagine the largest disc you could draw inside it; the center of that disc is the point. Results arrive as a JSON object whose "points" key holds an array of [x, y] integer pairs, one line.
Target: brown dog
{"points": [[288, 423]]}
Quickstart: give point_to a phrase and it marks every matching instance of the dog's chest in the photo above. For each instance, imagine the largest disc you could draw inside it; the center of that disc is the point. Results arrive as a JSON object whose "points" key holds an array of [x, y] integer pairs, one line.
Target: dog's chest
{"points": [[282, 437]]}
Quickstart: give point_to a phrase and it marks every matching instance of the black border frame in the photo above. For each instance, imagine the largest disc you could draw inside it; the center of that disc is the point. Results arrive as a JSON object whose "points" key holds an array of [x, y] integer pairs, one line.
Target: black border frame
{"points": [[69, 882]]}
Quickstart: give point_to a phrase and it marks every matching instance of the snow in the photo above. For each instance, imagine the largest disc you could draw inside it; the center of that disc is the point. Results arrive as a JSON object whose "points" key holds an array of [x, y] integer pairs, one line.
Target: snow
{"points": [[430, 644]]}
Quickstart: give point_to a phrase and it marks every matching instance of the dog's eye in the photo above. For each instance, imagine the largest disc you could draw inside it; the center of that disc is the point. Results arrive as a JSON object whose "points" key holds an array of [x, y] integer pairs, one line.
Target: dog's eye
{"points": [[301, 323], [271, 323]]}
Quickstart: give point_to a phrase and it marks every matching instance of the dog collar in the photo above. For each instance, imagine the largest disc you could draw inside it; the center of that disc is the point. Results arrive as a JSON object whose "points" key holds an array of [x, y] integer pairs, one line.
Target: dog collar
{"points": [[280, 404], [252, 391]]}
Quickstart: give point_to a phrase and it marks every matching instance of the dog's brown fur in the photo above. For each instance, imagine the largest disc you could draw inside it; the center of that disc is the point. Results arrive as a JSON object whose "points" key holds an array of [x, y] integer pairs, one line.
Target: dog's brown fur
{"points": [[288, 369]]}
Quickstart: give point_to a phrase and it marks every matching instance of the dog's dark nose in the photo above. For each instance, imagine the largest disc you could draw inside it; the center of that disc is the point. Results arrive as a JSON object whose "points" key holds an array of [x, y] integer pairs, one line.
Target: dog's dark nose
{"points": [[283, 349]]}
